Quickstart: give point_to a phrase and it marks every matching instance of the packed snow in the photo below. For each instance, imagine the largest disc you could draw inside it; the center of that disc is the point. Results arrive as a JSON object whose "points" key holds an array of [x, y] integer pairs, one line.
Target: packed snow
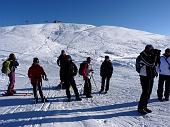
{"points": [[117, 108]]}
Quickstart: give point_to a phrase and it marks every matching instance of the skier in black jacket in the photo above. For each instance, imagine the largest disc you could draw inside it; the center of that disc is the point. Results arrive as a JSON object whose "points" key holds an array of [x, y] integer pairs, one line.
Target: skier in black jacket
{"points": [[106, 71], [69, 71], [148, 60], [60, 63]]}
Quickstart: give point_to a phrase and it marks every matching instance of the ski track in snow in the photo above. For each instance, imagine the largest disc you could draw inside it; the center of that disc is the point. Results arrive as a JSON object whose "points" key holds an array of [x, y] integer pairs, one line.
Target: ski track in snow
{"points": [[81, 113]]}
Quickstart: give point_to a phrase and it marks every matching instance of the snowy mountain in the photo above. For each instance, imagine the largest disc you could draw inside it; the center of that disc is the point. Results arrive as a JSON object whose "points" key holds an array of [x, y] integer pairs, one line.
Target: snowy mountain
{"points": [[117, 108]]}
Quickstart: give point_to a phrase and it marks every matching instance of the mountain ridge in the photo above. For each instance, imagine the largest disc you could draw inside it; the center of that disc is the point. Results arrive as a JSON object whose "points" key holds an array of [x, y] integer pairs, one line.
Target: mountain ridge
{"points": [[78, 38]]}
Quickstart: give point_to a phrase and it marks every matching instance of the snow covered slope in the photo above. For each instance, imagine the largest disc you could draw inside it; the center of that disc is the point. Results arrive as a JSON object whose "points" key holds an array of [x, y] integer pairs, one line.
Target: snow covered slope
{"points": [[117, 108]]}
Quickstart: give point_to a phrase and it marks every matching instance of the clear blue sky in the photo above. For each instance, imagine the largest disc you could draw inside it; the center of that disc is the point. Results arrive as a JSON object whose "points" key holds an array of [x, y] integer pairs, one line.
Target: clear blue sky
{"points": [[148, 15]]}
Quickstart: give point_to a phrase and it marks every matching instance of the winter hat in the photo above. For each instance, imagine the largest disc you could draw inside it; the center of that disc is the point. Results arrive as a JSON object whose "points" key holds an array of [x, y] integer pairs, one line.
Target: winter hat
{"points": [[106, 57], [88, 59], [62, 52], [148, 47], [12, 56], [35, 60], [167, 50]]}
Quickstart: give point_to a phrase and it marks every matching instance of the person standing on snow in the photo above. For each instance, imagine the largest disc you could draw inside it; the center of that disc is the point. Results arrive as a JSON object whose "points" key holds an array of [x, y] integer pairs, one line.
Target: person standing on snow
{"points": [[147, 72], [36, 74], [106, 71], [87, 73], [60, 63], [69, 71], [164, 76], [13, 64]]}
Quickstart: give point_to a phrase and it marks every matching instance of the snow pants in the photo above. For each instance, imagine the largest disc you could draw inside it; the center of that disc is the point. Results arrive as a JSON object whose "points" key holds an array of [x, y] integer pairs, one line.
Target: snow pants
{"points": [[11, 83], [107, 79], [63, 85], [163, 79], [147, 85], [87, 87], [39, 86], [68, 83]]}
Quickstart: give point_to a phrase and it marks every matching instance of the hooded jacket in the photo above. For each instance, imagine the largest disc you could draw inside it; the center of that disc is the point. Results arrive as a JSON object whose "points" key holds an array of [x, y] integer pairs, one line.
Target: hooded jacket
{"points": [[164, 68]]}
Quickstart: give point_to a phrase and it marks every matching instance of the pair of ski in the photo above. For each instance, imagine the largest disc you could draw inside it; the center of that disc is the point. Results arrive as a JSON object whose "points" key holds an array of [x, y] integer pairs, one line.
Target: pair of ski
{"points": [[16, 94], [69, 100]]}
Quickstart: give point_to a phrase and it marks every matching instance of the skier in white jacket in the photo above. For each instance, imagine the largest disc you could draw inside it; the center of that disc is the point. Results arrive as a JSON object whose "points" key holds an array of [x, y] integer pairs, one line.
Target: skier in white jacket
{"points": [[164, 76]]}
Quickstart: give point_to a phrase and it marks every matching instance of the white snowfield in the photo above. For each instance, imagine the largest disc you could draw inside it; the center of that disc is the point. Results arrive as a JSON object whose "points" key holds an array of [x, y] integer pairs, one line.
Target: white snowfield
{"points": [[117, 108]]}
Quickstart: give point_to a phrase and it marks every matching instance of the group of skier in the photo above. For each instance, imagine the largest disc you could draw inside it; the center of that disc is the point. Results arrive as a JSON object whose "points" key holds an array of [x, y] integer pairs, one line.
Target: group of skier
{"points": [[148, 64], [68, 70]]}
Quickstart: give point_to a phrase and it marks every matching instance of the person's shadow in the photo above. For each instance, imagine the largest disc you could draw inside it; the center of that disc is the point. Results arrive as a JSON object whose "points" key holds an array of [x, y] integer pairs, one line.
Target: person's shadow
{"points": [[98, 112]]}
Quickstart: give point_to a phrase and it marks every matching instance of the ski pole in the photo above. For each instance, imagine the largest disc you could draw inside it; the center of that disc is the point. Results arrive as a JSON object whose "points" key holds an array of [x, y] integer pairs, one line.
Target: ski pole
{"points": [[81, 90], [94, 82]]}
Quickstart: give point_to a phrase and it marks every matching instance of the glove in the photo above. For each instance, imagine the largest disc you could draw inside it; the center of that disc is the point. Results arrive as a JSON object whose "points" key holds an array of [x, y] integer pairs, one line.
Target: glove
{"points": [[46, 79]]}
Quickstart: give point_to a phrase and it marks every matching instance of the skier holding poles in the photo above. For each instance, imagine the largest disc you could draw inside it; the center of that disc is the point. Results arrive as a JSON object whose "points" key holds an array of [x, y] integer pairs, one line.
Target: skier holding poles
{"points": [[86, 73]]}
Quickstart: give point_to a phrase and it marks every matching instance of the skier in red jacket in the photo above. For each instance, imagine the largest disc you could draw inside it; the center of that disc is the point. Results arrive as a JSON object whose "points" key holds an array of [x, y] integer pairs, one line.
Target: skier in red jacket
{"points": [[36, 74], [87, 72]]}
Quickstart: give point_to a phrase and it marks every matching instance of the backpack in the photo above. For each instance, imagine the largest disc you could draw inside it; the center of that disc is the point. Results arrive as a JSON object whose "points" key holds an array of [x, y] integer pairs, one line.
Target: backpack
{"points": [[73, 69], [6, 67], [82, 65], [138, 64]]}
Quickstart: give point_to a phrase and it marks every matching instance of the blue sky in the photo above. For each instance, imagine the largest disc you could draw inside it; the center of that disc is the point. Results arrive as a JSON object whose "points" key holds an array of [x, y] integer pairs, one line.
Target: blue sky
{"points": [[147, 15]]}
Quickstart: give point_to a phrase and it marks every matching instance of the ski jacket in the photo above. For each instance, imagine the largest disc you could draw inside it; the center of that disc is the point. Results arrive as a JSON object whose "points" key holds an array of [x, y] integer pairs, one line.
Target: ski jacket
{"points": [[164, 68], [148, 65], [61, 60], [36, 73], [69, 70], [13, 65], [106, 69]]}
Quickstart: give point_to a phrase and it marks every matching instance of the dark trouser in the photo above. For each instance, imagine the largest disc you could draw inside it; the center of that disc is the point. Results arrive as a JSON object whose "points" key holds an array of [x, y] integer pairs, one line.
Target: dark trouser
{"points": [[87, 87], [39, 86], [68, 83], [61, 75], [107, 79], [63, 85], [11, 83], [147, 84], [163, 79]]}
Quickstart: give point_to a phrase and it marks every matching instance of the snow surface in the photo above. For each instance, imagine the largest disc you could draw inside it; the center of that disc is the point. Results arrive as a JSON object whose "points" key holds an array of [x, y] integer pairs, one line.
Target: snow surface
{"points": [[115, 109]]}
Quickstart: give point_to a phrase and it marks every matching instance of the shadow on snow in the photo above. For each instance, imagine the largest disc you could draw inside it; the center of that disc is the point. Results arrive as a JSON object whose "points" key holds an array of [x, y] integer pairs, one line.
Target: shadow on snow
{"points": [[98, 113]]}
